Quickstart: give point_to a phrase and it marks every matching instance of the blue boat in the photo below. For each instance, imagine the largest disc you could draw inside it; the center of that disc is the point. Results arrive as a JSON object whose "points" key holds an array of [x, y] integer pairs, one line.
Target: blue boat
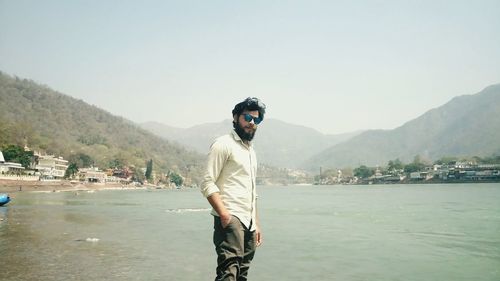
{"points": [[4, 199]]}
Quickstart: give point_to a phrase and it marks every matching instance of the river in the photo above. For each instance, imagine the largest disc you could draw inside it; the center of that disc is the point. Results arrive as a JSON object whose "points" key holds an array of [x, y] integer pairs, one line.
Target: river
{"points": [[346, 233]]}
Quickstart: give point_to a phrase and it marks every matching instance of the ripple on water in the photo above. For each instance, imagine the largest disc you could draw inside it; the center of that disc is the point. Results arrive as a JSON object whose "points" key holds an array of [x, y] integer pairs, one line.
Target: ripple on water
{"points": [[187, 210]]}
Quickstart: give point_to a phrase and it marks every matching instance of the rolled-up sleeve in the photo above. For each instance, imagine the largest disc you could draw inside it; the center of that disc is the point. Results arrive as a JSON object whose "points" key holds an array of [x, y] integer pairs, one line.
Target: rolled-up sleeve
{"points": [[217, 156]]}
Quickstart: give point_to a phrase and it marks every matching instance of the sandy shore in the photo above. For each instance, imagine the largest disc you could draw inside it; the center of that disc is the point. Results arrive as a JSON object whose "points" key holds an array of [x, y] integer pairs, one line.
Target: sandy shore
{"points": [[13, 186]]}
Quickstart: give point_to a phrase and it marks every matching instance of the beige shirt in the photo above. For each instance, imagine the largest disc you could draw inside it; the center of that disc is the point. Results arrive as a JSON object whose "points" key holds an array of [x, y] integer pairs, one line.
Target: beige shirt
{"points": [[231, 171]]}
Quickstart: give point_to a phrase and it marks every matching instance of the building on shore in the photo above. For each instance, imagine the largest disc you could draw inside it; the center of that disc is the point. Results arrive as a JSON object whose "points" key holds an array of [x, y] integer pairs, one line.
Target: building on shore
{"points": [[92, 175], [50, 167], [9, 167]]}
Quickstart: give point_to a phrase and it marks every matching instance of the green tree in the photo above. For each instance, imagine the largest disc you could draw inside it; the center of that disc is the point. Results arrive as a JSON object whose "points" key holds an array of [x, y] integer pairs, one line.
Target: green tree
{"points": [[149, 169], [71, 171], [363, 172], [15, 153], [415, 166], [11, 152], [117, 162], [176, 178], [137, 175], [394, 165], [81, 160]]}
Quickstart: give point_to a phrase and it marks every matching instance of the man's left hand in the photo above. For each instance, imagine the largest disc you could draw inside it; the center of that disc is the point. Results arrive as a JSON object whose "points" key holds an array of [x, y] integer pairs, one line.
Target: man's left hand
{"points": [[258, 237]]}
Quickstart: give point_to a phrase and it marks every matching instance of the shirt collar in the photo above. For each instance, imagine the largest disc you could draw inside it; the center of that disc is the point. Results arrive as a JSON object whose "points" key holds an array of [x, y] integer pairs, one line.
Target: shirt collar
{"points": [[238, 139]]}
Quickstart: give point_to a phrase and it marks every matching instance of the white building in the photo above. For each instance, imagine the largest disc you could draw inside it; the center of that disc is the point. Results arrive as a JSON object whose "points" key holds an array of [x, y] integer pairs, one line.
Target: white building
{"points": [[9, 167], [51, 167], [92, 175]]}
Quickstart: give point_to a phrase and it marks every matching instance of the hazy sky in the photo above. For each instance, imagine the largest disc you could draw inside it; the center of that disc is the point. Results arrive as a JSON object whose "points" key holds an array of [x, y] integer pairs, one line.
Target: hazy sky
{"points": [[336, 66]]}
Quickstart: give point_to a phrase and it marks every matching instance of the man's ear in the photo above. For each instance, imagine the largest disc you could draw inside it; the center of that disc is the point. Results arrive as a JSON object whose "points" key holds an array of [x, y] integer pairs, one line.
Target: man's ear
{"points": [[235, 118]]}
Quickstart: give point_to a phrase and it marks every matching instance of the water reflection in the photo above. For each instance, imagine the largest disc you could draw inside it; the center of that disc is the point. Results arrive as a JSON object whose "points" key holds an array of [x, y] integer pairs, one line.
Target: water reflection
{"points": [[15, 230], [50, 242]]}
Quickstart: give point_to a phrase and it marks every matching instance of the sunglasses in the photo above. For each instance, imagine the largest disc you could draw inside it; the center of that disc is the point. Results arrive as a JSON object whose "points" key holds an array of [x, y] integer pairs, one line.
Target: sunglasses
{"points": [[249, 118]]}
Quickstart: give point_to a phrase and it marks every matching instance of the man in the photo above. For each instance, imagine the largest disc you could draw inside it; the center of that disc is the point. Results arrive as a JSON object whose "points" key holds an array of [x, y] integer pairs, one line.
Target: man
{"points": [[229, 186]]}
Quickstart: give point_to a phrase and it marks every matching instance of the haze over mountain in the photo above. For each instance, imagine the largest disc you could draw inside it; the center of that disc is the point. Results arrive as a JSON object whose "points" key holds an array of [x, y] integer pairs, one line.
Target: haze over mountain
{"points": [[467, 125], [277, 143]]}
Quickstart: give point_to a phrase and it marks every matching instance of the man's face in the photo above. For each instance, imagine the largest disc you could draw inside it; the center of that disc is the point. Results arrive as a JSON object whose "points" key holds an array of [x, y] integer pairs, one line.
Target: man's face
{"points": [[246, 129]]}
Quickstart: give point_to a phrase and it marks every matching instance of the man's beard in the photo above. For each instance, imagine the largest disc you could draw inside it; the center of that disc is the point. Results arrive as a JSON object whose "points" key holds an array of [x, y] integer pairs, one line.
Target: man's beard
{"points": [[241, 132]]}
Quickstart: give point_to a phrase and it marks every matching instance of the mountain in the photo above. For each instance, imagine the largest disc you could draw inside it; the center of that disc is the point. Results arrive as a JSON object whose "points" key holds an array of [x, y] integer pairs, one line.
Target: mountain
{"points": [[43, 119], [277, 143], [286, 145], [467, 125], [198, 138]]}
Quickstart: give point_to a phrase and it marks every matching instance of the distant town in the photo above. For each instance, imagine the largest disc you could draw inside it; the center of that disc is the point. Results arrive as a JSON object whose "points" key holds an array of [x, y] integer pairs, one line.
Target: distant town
{"points": [[457, 172], [50, 168], [442, 171], [42, 167]]}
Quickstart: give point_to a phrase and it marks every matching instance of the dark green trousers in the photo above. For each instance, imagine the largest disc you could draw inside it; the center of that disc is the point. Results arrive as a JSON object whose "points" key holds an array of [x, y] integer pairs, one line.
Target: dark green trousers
{"points": [[235, 247]]}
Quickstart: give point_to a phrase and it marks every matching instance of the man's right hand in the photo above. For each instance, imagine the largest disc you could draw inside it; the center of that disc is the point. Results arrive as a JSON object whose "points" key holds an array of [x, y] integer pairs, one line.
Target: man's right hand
{"points": [[225, 220], [215, 200]]}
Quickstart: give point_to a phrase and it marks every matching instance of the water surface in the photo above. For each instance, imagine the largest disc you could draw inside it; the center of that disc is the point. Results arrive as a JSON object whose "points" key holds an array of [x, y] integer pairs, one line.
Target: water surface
{"points": [[392, 232]]}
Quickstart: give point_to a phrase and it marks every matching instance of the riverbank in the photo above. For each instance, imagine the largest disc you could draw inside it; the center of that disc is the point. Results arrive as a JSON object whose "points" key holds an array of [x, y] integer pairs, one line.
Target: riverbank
{"points": [[13, 186]]}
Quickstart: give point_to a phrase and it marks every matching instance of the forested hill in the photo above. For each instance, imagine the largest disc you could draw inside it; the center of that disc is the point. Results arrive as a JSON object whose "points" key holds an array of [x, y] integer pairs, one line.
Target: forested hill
{"points": [[46, 120]]}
